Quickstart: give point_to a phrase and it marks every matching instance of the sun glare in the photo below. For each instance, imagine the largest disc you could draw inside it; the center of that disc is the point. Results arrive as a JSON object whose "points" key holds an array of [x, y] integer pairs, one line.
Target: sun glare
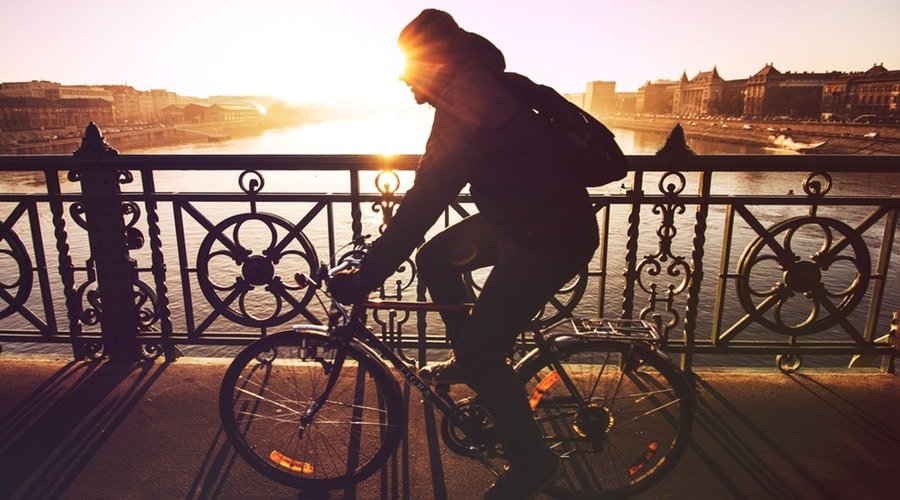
{"points": [[342, 72]]}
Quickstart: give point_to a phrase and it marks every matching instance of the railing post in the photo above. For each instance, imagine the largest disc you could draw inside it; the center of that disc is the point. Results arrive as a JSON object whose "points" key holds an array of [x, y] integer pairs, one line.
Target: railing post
{"points": [[677, 150], [636, 194], [116, 271], [355, 211], [895, 332]]}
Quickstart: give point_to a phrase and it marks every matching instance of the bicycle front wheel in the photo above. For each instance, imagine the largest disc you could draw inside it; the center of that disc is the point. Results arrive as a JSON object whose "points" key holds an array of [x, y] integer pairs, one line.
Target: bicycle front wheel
{"points": [[272, 383], [619, 414]]}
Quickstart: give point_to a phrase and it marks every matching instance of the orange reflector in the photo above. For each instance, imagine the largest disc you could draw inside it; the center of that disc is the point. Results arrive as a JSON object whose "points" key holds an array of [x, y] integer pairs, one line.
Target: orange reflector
{"points": [[289, 463], [652, 446], [542, 387]]}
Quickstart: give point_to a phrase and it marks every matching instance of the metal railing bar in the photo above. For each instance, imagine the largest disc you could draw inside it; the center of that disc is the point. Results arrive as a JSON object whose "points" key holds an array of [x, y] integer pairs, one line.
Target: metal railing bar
{"points": [[649, 163], [40, 266]]}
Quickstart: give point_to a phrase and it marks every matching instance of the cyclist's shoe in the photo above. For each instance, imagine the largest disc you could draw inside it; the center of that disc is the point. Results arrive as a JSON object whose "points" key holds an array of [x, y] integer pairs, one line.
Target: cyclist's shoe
{"points": [[525, 477], [442, 373]]}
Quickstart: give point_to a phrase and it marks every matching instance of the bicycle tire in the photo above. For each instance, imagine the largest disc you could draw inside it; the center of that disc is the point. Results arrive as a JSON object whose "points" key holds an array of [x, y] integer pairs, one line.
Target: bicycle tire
{"points": [[634, 422], [268, 387]]}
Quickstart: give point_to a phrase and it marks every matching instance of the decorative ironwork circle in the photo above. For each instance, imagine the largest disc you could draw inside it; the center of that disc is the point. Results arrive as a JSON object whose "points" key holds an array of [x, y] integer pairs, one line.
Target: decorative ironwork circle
{"points": [[145, 301], [814, 286], [134, 210], [817, 184], [672, 187], [76, 210], [387, 182], [788, 363], [401, 279], [16, 280], [93, 349], [150, 352], [240, 265], [258, 270], [253, 185]]}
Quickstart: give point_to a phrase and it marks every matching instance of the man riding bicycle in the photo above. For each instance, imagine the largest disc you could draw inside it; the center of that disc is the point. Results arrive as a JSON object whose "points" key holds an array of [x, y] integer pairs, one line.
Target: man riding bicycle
{"points": [[535, 226]]}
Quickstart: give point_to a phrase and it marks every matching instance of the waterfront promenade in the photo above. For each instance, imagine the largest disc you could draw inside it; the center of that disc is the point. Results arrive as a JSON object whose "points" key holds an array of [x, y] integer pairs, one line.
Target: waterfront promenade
{"points": [[91, 430], [832, 138]]}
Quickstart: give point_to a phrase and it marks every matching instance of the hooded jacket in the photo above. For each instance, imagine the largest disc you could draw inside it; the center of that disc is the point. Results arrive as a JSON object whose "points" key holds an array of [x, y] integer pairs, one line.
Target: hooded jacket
{"points": [[484, 136]]}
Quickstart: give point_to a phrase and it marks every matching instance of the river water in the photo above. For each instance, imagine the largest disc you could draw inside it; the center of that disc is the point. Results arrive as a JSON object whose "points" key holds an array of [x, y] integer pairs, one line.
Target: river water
{"points": [[407, 134]]}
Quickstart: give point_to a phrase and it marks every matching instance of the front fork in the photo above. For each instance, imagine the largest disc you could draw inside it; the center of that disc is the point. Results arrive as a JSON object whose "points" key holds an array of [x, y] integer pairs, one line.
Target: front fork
{"points": [[333, 368]]}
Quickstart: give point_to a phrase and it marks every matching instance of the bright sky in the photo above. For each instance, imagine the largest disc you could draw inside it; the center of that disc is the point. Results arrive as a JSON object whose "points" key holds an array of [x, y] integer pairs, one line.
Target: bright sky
{"points": [[317, 50]]}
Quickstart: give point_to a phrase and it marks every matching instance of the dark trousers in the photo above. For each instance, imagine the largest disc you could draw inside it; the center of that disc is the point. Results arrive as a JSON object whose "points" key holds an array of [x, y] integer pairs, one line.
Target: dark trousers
{"points": [[516, 289]]}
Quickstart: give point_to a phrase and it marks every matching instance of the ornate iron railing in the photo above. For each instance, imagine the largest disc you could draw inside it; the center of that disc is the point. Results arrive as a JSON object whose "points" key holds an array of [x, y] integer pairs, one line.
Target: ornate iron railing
{"points": [[144, 253]]}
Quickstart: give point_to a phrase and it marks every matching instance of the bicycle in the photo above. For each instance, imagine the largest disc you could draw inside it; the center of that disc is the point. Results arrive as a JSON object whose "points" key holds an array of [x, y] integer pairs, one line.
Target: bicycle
{"points": [[318, 407]]}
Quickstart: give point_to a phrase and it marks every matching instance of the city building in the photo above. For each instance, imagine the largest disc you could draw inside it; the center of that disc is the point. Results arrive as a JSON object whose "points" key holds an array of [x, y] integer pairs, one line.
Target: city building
{"points": [[231, 113], [576, 99], [692, 97], [655, 98], [24, 113], [126, 104], [703, 95], [172, 114], [34, 88], [160, 99], [85, 92], [626, 102], [145, 102], [772, 93], [875, 92], [197, 113], [600, 98]]}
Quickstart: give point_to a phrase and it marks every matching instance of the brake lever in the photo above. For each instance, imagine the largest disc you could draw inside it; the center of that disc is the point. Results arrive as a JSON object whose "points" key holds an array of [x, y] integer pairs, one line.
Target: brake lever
{"points": [[301, 280]]}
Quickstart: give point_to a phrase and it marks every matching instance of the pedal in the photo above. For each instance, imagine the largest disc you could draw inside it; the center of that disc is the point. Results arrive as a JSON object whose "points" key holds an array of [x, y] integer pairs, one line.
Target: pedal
{"points": [[480, 456]]}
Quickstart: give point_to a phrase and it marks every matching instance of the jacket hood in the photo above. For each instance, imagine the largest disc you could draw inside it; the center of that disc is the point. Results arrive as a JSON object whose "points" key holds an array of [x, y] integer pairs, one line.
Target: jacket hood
{"points": [[474, 51]]}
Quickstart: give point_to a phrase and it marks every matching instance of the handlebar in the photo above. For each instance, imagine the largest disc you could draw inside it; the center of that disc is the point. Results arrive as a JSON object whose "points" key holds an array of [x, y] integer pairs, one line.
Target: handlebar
{"points": [[349, 261]]}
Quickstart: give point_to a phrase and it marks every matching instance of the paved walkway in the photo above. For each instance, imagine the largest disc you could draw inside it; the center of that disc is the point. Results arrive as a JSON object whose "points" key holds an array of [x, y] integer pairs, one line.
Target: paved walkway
{"points": [[89, 430]]}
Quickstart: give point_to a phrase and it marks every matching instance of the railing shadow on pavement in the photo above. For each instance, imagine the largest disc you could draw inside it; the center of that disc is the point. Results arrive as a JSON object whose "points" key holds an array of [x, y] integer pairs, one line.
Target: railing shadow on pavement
{"points": [[49, 438], [748, 445], [853, 414], [721, 427]]}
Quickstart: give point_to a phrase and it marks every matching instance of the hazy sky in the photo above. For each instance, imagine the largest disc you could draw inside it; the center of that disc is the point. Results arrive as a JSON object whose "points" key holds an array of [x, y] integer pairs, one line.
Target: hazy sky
{"points": [[306, 50]]}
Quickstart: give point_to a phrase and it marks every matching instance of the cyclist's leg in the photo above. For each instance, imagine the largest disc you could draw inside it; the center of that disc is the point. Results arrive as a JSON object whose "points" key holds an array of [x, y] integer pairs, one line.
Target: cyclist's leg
{"points": [[465, 246], [519, 284]]}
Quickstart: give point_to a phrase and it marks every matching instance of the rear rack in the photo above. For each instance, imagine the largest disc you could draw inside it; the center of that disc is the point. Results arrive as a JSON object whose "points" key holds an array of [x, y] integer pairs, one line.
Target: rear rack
{"points": [[615, 329]]}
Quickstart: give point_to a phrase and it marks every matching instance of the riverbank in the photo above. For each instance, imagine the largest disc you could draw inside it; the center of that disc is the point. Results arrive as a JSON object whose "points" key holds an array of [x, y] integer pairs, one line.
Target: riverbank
{"points": [[148, 136], [801, 137]]}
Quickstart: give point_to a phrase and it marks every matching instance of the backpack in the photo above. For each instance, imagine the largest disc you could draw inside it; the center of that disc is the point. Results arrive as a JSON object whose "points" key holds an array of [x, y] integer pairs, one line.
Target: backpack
{"points": [[589, 148]]}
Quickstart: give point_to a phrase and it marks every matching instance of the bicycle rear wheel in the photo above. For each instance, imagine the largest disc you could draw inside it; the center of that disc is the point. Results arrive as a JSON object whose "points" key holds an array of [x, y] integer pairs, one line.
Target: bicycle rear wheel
{"points": [[271, 384], [626, 423]]}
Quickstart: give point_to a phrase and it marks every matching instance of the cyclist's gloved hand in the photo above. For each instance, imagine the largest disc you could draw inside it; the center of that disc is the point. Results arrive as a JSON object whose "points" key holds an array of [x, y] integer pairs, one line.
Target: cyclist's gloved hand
{"points": [[346, 287]]}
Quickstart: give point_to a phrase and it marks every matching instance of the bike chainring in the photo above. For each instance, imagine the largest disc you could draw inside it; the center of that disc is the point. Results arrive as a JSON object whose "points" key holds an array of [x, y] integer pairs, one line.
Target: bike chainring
{"points": [[480, 438]]}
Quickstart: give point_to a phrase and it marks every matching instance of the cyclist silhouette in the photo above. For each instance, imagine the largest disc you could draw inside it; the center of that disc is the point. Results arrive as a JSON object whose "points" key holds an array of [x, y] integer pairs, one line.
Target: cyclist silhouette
{"points": [[535, 225]]}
